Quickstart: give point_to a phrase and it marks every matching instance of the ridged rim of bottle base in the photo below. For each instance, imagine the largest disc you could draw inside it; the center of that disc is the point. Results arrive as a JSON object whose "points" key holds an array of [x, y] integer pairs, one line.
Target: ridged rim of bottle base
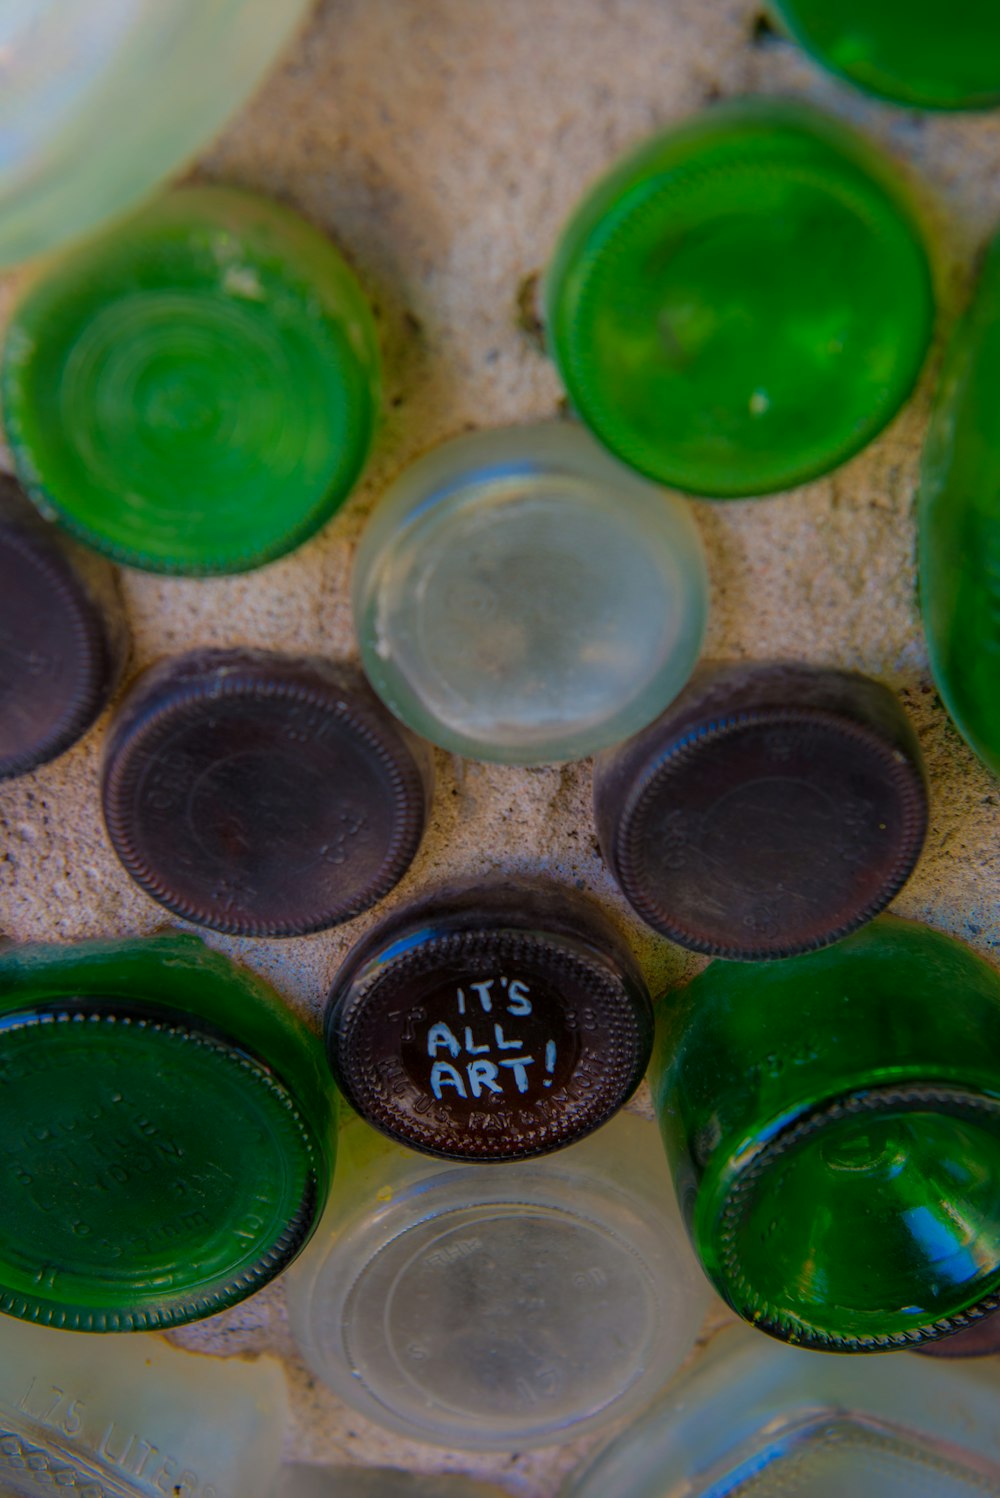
{"points": [[623, 1047], [125, 762], [568, 332], [906, 776], [787, 1327], [191, 1306], [231, 565]]}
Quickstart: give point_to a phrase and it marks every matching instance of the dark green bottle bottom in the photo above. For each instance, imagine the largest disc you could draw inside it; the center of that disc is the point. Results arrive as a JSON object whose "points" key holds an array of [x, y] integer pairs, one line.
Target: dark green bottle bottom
{"points": [[874, 1222], [154, 1172]]}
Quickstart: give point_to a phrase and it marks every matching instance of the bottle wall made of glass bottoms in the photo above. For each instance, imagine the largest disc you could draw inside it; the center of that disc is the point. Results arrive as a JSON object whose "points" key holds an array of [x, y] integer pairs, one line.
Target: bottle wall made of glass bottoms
{"points": [[959, 523]]}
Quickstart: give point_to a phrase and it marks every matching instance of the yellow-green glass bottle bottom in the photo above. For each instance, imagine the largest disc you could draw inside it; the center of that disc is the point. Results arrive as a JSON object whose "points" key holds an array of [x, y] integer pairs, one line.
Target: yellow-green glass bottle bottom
{"points": [[741, 306], [196, 391]]}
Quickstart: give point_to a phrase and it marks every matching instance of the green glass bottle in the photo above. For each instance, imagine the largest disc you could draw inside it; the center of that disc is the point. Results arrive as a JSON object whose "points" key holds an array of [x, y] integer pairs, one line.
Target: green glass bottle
{"points": [[196, 390], [958, 523], [165, 1133], [915, 52], [833, 1124], [743, 302]]}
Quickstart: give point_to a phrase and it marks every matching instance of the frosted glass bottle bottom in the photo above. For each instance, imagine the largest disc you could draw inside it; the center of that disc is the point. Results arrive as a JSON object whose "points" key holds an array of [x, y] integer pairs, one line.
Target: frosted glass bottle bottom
{"points": [[757, 1419], [520, 596], [496, 1307]]}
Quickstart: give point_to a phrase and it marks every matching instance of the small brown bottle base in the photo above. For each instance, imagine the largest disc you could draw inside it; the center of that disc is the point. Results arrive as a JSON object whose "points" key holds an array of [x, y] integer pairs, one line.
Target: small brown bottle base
{"points": [[490, 1023], [262, 794]]}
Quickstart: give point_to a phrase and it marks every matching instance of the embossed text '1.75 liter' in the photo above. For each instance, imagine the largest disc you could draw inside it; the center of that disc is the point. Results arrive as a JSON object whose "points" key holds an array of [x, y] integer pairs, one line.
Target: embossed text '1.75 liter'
{"points": [[834, 1127], [959, 523], [133, 1417], [167, 1133]]}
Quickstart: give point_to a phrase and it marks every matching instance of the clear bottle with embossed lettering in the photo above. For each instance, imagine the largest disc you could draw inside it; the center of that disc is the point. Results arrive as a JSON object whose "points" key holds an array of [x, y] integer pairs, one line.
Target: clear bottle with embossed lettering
{"points": [[167, 1128], [958, 519], [490, 1022], [112, 1417], [497, 1307]]}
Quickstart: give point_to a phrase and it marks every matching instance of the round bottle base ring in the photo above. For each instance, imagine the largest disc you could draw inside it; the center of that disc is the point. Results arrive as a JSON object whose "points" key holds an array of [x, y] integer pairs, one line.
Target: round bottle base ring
{"points": [[195, 391], [261, 794], [521, 597]]}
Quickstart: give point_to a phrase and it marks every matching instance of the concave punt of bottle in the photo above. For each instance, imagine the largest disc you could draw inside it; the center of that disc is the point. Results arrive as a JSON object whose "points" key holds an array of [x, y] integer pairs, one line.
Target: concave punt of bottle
{"points": [[834, 1127], [771, 809], [743, 302], [491, 1308], [196, 390]]}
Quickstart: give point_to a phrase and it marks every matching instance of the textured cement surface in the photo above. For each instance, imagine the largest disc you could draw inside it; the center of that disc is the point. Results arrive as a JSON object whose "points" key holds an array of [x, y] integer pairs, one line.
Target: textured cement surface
{"points": [[441, 143]]}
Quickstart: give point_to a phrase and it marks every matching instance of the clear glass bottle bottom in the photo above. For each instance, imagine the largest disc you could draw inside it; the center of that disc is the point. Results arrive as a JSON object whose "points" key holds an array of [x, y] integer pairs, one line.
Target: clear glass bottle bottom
{"points": [[496, 1307], [519, 596], [756, 1419]]}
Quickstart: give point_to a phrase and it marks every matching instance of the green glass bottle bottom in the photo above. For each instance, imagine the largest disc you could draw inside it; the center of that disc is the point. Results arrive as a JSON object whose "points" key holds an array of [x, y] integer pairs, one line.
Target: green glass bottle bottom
{"points": [[153, 1170], [884, 1206], [196, 391], [915, 52], [743, 304]]}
